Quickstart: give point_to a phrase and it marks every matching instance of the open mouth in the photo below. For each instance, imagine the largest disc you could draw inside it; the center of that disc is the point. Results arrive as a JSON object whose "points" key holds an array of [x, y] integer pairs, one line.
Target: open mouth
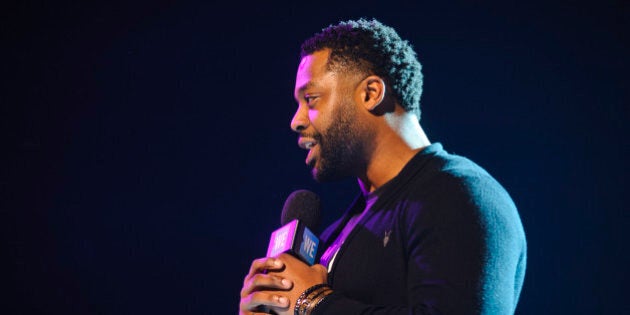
{"points": [[307, 143]]}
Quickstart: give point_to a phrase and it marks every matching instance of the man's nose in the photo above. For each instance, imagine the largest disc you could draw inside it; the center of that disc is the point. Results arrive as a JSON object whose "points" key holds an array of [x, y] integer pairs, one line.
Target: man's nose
{"points": [[300, 120]]}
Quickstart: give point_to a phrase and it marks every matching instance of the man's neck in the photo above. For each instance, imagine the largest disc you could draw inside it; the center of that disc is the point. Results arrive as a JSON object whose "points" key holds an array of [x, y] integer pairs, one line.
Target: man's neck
{"points": [[396, 145]]}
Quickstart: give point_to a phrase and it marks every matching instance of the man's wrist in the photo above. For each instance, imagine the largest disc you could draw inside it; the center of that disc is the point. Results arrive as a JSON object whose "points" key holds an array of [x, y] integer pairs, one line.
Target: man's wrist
{"points": [[310, 298]]}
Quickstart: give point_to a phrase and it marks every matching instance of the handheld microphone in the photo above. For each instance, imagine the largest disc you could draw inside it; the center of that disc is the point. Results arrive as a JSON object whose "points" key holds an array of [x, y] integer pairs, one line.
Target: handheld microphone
{"points": [[300, 215]]}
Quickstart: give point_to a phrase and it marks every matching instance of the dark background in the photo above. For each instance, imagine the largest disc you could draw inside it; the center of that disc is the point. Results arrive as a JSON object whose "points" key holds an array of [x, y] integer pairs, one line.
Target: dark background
{"points": [[147, 149]]}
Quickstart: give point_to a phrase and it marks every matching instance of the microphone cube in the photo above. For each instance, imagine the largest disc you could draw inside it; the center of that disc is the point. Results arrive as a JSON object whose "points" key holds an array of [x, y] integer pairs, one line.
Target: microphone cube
{"points": [[295, 238]]}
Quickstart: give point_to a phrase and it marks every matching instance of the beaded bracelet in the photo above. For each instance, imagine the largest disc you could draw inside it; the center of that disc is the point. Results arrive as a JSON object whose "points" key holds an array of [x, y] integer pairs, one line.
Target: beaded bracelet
{"points": [[305, 305], [305, 298], [310, 298], [316, 300]]}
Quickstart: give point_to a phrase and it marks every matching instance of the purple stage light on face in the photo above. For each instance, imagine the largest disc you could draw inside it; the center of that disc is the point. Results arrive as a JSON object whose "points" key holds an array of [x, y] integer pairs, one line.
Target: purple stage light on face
{"points": [[282, 239]]}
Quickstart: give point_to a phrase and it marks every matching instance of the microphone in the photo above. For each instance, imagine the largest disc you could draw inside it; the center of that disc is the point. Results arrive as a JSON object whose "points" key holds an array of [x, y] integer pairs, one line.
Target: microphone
{"points": [[300, 215]]}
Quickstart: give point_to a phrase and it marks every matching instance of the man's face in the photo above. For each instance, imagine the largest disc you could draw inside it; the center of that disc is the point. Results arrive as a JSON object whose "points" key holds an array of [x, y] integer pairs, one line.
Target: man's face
{"points": [[326, 119]]}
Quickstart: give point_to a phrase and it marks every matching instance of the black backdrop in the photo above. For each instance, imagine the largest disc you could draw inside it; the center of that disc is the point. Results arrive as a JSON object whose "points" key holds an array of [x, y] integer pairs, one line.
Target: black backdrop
{"points": [[147, 150]]}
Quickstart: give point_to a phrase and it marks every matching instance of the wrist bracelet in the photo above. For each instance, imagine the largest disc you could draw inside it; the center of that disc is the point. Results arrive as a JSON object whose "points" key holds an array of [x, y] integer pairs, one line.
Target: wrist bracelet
{"points": [[310, 298], [316, 300], [305, 298]]}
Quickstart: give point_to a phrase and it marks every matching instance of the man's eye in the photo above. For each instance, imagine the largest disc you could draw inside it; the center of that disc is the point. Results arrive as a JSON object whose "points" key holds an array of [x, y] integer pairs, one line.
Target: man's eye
{"points": [[309, 99]]}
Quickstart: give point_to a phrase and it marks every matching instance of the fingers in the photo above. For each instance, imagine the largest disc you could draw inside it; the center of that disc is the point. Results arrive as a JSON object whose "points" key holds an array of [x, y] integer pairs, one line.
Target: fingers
{"points": [[261, 281], [260, 289], [267, 299], [261, 265]]}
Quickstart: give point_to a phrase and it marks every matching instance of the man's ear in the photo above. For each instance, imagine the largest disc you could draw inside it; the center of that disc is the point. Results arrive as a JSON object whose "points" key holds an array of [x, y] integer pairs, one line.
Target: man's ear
{"points": [[372, 92]]}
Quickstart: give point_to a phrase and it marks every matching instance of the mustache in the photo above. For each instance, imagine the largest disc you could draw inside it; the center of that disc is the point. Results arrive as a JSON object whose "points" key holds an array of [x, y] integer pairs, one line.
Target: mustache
{"points": [[312, 135]]}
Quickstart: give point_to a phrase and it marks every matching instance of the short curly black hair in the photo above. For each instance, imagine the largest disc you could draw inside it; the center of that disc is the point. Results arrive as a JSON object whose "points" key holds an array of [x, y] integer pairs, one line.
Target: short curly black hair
{"points": [[370, 47]]}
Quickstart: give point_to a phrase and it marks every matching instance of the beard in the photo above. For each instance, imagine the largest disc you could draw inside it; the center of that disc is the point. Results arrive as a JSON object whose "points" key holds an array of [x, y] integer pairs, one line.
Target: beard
{"points": [[342, 153]]}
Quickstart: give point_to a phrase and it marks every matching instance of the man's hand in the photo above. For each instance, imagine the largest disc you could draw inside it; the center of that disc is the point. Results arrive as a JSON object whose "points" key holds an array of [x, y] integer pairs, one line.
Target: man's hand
{"points": [[261, 288], [276, 283]]}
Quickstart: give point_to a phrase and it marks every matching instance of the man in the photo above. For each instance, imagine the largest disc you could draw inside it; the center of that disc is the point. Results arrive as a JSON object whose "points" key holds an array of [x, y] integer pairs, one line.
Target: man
{"points": [[430, 233]]}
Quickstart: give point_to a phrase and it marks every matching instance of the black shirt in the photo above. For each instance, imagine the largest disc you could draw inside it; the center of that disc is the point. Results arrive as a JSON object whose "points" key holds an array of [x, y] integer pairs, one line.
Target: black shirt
{"points": [[442, 237]]}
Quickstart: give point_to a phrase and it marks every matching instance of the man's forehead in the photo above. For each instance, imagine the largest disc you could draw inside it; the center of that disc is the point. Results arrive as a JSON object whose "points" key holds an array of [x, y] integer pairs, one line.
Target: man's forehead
{"points": [[315, 61], [309, 68], [306, 60]]}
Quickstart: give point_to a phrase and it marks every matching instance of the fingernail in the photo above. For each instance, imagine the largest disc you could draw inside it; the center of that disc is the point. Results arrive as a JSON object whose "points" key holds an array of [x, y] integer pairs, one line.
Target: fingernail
{"points": [[283, 300], [286, 282], [277, 263]]}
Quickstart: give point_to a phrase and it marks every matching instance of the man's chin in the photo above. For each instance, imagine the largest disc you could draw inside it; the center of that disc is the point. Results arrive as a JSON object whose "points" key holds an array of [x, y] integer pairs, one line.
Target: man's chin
{"points": [[326, 175], [317, 175]]}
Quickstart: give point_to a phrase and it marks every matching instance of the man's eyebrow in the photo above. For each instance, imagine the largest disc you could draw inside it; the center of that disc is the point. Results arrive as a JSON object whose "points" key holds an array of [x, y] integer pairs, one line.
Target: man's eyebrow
{"points": [[301, 89], [308, 85]]}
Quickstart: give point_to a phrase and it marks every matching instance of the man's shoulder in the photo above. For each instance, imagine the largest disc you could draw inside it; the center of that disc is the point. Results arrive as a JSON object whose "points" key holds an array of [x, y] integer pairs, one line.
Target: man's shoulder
{"points": [[451, 181], [451, 170]]}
